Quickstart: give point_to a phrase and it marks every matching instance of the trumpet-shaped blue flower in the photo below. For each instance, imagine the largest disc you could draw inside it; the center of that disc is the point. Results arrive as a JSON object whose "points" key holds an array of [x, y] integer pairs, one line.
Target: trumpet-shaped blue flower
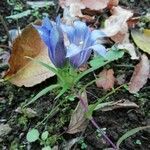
{"points": [[52, 35], [81, 43]]}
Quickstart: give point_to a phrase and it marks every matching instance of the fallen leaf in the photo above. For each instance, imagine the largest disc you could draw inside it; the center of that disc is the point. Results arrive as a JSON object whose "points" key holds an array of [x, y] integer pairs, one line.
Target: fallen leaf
{"points": [[78, 122], [142, 40], [132, 22], [106, 79], [108, 106], [93, 5], [116, 28], [72, 8], [140, 75], [23, 71], [117, 21], [112, 3], [129, 47]]}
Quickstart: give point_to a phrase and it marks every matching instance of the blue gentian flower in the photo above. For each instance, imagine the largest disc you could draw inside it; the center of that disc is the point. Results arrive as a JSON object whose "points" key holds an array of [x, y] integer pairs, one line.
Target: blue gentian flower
{"points": [[81, 43], [52, 35]]}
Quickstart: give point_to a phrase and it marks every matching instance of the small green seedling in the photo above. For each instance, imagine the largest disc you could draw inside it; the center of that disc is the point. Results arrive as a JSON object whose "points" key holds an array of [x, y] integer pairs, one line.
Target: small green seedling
{"points": [[34, 135]]}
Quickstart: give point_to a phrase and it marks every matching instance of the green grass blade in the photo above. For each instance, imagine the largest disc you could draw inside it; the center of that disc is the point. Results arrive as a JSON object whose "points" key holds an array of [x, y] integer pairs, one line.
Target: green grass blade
{"points": [[130, 133], [61, 92], [41, 93]]}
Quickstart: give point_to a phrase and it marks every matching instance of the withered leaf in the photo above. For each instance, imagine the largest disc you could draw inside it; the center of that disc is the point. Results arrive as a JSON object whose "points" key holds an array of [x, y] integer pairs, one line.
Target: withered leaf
{"points": [[140, 75], [24, 71], [78, 122], [142, 40], [93, 5], [106, 79], [108, 106]]}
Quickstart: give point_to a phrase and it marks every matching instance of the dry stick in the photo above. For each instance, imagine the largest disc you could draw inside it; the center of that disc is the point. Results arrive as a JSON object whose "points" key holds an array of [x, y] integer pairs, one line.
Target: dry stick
{"points": [[5, 46], [4, 24], [95, 124]]}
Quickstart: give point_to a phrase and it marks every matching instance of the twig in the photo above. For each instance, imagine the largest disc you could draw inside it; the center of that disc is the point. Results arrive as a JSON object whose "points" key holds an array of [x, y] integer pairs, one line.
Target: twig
{"points": [[4, 24]]}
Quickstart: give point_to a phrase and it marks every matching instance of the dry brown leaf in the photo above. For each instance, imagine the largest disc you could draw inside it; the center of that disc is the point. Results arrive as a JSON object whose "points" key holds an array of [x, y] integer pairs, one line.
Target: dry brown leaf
{"points": [[116, 28], [93, 5], [78, 122], [140, 75], [117, 21], [106, 79], [112, 3], [23, 71], [132, 22], [72, 8], [130, 49], [119, 104]]}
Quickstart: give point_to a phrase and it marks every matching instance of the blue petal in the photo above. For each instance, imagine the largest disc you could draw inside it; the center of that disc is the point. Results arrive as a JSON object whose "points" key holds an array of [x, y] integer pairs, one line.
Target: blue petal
{"points": [[54, 38], [57, 50], [80, 31], [85, 54], [87, 40], [58, 20], [100, 49], [69, 30], [73, 50], [97, 34], [80, 59], [44, 34], [47, 23]]}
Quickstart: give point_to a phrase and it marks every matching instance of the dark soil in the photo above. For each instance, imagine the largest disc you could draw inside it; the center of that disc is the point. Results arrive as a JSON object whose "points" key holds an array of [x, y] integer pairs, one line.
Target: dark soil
{"points": [[116, 122]]}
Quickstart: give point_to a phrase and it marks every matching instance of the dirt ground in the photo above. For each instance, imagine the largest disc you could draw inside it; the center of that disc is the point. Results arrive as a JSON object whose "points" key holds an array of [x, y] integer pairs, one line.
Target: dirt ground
{"points": [[116, 122]]}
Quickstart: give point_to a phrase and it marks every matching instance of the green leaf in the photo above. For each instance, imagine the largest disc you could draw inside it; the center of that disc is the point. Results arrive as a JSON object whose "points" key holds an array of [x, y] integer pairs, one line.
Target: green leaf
{"points": [[130, 133], [20, 15], [32, 135], [111, 55], [44, 135], [142, 39], [41, 93]]}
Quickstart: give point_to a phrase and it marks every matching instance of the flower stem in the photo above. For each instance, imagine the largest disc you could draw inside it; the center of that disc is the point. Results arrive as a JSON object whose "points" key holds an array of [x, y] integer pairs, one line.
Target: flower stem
{"points": [[95, 124]]}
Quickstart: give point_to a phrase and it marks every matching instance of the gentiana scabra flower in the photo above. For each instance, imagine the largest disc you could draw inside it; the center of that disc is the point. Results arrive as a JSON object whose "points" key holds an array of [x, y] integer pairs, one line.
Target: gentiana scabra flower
{"points": [[81, 43], [52, 35]]}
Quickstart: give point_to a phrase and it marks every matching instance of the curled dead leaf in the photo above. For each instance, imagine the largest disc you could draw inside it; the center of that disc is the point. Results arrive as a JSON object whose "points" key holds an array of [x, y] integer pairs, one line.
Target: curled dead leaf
{"points": [[140, 75], [108, 106], [23, 71], [93, 5], [117, 21], [106, 79], [74, 8], [78, 122], [116, 28]]}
